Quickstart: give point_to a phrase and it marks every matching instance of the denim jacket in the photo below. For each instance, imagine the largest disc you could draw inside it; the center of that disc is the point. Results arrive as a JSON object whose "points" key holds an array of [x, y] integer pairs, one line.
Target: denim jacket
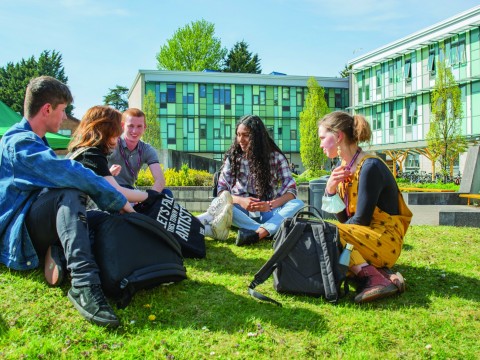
{"points": [[27, 165]]}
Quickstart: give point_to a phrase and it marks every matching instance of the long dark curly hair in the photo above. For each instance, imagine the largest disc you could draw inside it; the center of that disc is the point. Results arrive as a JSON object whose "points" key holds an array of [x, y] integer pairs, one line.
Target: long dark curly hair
{"points": [[258, 155]]}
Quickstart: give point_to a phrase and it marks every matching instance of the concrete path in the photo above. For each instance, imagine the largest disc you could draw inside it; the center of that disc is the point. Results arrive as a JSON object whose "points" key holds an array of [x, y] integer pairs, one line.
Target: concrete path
{"points": [[429, 214]]}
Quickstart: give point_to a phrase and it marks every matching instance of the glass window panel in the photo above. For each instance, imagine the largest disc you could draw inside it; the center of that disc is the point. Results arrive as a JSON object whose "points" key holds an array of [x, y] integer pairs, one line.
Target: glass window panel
{"points": [[431, 60], [228, 96], [239, 99], [338, 100], [293, 134], [171, 96], [262, 97], [408, 70], [202, 90], [379, 78]]}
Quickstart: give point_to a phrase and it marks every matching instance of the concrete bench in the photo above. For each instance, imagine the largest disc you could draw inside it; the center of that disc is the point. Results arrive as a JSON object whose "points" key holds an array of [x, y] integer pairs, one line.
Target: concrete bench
{"points": [[414, 189], [470, 196]]}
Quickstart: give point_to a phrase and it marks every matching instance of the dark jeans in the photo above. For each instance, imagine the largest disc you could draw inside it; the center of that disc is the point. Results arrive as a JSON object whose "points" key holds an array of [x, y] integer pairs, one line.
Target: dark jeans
{"points": [[60, 215]]}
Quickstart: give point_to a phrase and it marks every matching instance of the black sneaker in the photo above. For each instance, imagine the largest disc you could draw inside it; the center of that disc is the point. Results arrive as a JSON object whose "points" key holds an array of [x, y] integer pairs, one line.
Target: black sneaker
{"points": [[54, 265], [92, 305], [246, 237]]}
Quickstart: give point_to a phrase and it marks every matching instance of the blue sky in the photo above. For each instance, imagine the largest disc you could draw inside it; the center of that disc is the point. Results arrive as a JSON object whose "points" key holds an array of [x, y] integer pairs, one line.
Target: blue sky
{"points": [[106, 42]]}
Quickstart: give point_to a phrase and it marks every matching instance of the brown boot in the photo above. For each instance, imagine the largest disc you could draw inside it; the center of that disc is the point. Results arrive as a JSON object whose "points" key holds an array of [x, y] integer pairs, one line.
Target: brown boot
{"points": [[376, 285], [395, 278]]}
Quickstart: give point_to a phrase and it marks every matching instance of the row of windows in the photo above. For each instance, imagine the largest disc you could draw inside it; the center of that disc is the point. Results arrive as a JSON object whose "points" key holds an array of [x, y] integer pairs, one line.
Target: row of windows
{"points": [[222, 95], [452, 51], [218, 133]]}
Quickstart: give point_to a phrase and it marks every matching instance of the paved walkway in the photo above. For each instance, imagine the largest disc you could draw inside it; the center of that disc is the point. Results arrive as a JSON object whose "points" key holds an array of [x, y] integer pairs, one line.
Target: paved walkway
{"points": [[429, 214]]}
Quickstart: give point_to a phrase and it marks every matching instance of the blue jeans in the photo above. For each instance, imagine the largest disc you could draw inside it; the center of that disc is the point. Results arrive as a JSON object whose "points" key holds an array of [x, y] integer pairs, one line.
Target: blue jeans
{"points": [[270, 220], [60, 215]]}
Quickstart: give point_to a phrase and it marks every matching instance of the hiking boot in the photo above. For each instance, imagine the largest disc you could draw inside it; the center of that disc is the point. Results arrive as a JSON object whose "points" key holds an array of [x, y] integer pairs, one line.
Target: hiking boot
{"points": [[221, 209], [54, 265], [376, 285], [92, 305], [246, 237], [396, 278]]}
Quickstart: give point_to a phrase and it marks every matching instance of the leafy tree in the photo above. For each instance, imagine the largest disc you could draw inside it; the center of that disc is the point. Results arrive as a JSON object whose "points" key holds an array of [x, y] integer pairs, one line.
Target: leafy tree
{"points": [[152, 132], [14, 78], [240, 60], [117, 98], [315, 108], [345, 73], [192, 48], [444, 138]]}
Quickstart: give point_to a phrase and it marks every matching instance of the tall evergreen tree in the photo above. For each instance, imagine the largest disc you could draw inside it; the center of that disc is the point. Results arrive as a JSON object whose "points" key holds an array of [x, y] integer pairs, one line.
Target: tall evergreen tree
{"points": [[192, 48], [14, 77], [240, 60], [152, 132], [345, 73], [117, 98], [444, 138], [315, 108]]}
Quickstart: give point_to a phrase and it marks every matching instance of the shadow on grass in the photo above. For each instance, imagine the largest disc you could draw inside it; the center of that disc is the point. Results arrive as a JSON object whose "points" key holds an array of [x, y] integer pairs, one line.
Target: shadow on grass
{"points": [[200, 305], [197, 304], [3, 326], [425, 283], [222, 260]]}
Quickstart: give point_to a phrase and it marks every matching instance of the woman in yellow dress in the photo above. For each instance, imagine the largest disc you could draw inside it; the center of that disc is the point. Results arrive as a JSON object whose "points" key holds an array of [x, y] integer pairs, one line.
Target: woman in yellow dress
{"points": [[372, 213]]}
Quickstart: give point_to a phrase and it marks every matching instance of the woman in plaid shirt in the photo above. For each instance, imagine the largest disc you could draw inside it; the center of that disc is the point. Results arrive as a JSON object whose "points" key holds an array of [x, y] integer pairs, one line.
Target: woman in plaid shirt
{"points": [[257, 175]]}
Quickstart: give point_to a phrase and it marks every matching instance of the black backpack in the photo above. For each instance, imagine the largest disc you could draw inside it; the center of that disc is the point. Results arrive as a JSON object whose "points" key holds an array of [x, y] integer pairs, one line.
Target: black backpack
{"points": [[134, 252], [305, 259]]}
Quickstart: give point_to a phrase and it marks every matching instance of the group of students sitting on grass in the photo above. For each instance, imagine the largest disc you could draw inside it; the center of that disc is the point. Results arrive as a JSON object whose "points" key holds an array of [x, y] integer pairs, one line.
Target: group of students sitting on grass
{"points": [[46, 200]]}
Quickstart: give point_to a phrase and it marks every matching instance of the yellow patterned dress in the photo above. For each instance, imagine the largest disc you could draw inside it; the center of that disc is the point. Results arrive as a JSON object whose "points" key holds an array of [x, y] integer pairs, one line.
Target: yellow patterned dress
{"points": [[380, 243]]}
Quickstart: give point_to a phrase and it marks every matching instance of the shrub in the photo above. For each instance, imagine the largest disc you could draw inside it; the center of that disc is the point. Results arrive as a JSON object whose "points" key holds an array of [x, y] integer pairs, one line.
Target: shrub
{"points": [[145, 178], [308, 175], [183, 177]]}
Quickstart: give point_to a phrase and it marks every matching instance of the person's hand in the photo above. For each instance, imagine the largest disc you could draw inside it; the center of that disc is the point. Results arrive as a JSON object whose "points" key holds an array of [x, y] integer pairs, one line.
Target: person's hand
{"points": [[249, 203], [152, 197], [262, 206], [127, 208], [115, 169], [338, 175]]}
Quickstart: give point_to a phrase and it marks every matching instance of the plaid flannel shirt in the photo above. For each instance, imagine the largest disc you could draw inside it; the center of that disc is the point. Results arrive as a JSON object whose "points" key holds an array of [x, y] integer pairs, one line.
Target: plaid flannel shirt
{"points": [[282, 180]]}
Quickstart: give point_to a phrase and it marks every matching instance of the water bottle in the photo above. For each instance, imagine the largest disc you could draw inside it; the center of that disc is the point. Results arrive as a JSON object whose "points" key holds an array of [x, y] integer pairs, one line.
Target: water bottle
{"points": [[344, 259]]}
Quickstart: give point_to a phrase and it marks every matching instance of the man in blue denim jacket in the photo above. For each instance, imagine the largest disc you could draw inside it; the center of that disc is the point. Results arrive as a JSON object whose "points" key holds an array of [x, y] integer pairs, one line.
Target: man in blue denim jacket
{"points": [[43, 198]]}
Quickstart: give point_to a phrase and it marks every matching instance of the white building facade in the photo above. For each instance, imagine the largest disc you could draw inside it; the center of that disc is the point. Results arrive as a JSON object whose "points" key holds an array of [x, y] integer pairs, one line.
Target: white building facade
{"points": [[392, 86]]}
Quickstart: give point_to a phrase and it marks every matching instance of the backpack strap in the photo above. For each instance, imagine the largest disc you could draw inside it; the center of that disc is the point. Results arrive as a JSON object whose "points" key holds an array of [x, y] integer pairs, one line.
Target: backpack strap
{"points": [[280, 253], [326, 266], [77, 152]]}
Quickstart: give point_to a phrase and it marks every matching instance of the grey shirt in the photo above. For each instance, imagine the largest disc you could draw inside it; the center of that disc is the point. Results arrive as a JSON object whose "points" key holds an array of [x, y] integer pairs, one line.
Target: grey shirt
{"points": [[131, 161]]}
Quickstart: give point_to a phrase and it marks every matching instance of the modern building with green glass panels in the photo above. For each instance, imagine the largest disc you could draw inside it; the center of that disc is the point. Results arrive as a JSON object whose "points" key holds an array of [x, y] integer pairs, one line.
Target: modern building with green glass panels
{"points": [[392, 85], [198, 111]]}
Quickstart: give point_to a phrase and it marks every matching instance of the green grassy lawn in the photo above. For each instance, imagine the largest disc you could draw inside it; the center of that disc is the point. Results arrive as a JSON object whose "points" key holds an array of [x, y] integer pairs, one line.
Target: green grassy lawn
{"points": [[211, 316]]}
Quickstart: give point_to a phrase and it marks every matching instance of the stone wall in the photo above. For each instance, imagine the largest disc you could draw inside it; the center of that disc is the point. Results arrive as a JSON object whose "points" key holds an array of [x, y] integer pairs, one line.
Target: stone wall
{"points": [[198, 198]]}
